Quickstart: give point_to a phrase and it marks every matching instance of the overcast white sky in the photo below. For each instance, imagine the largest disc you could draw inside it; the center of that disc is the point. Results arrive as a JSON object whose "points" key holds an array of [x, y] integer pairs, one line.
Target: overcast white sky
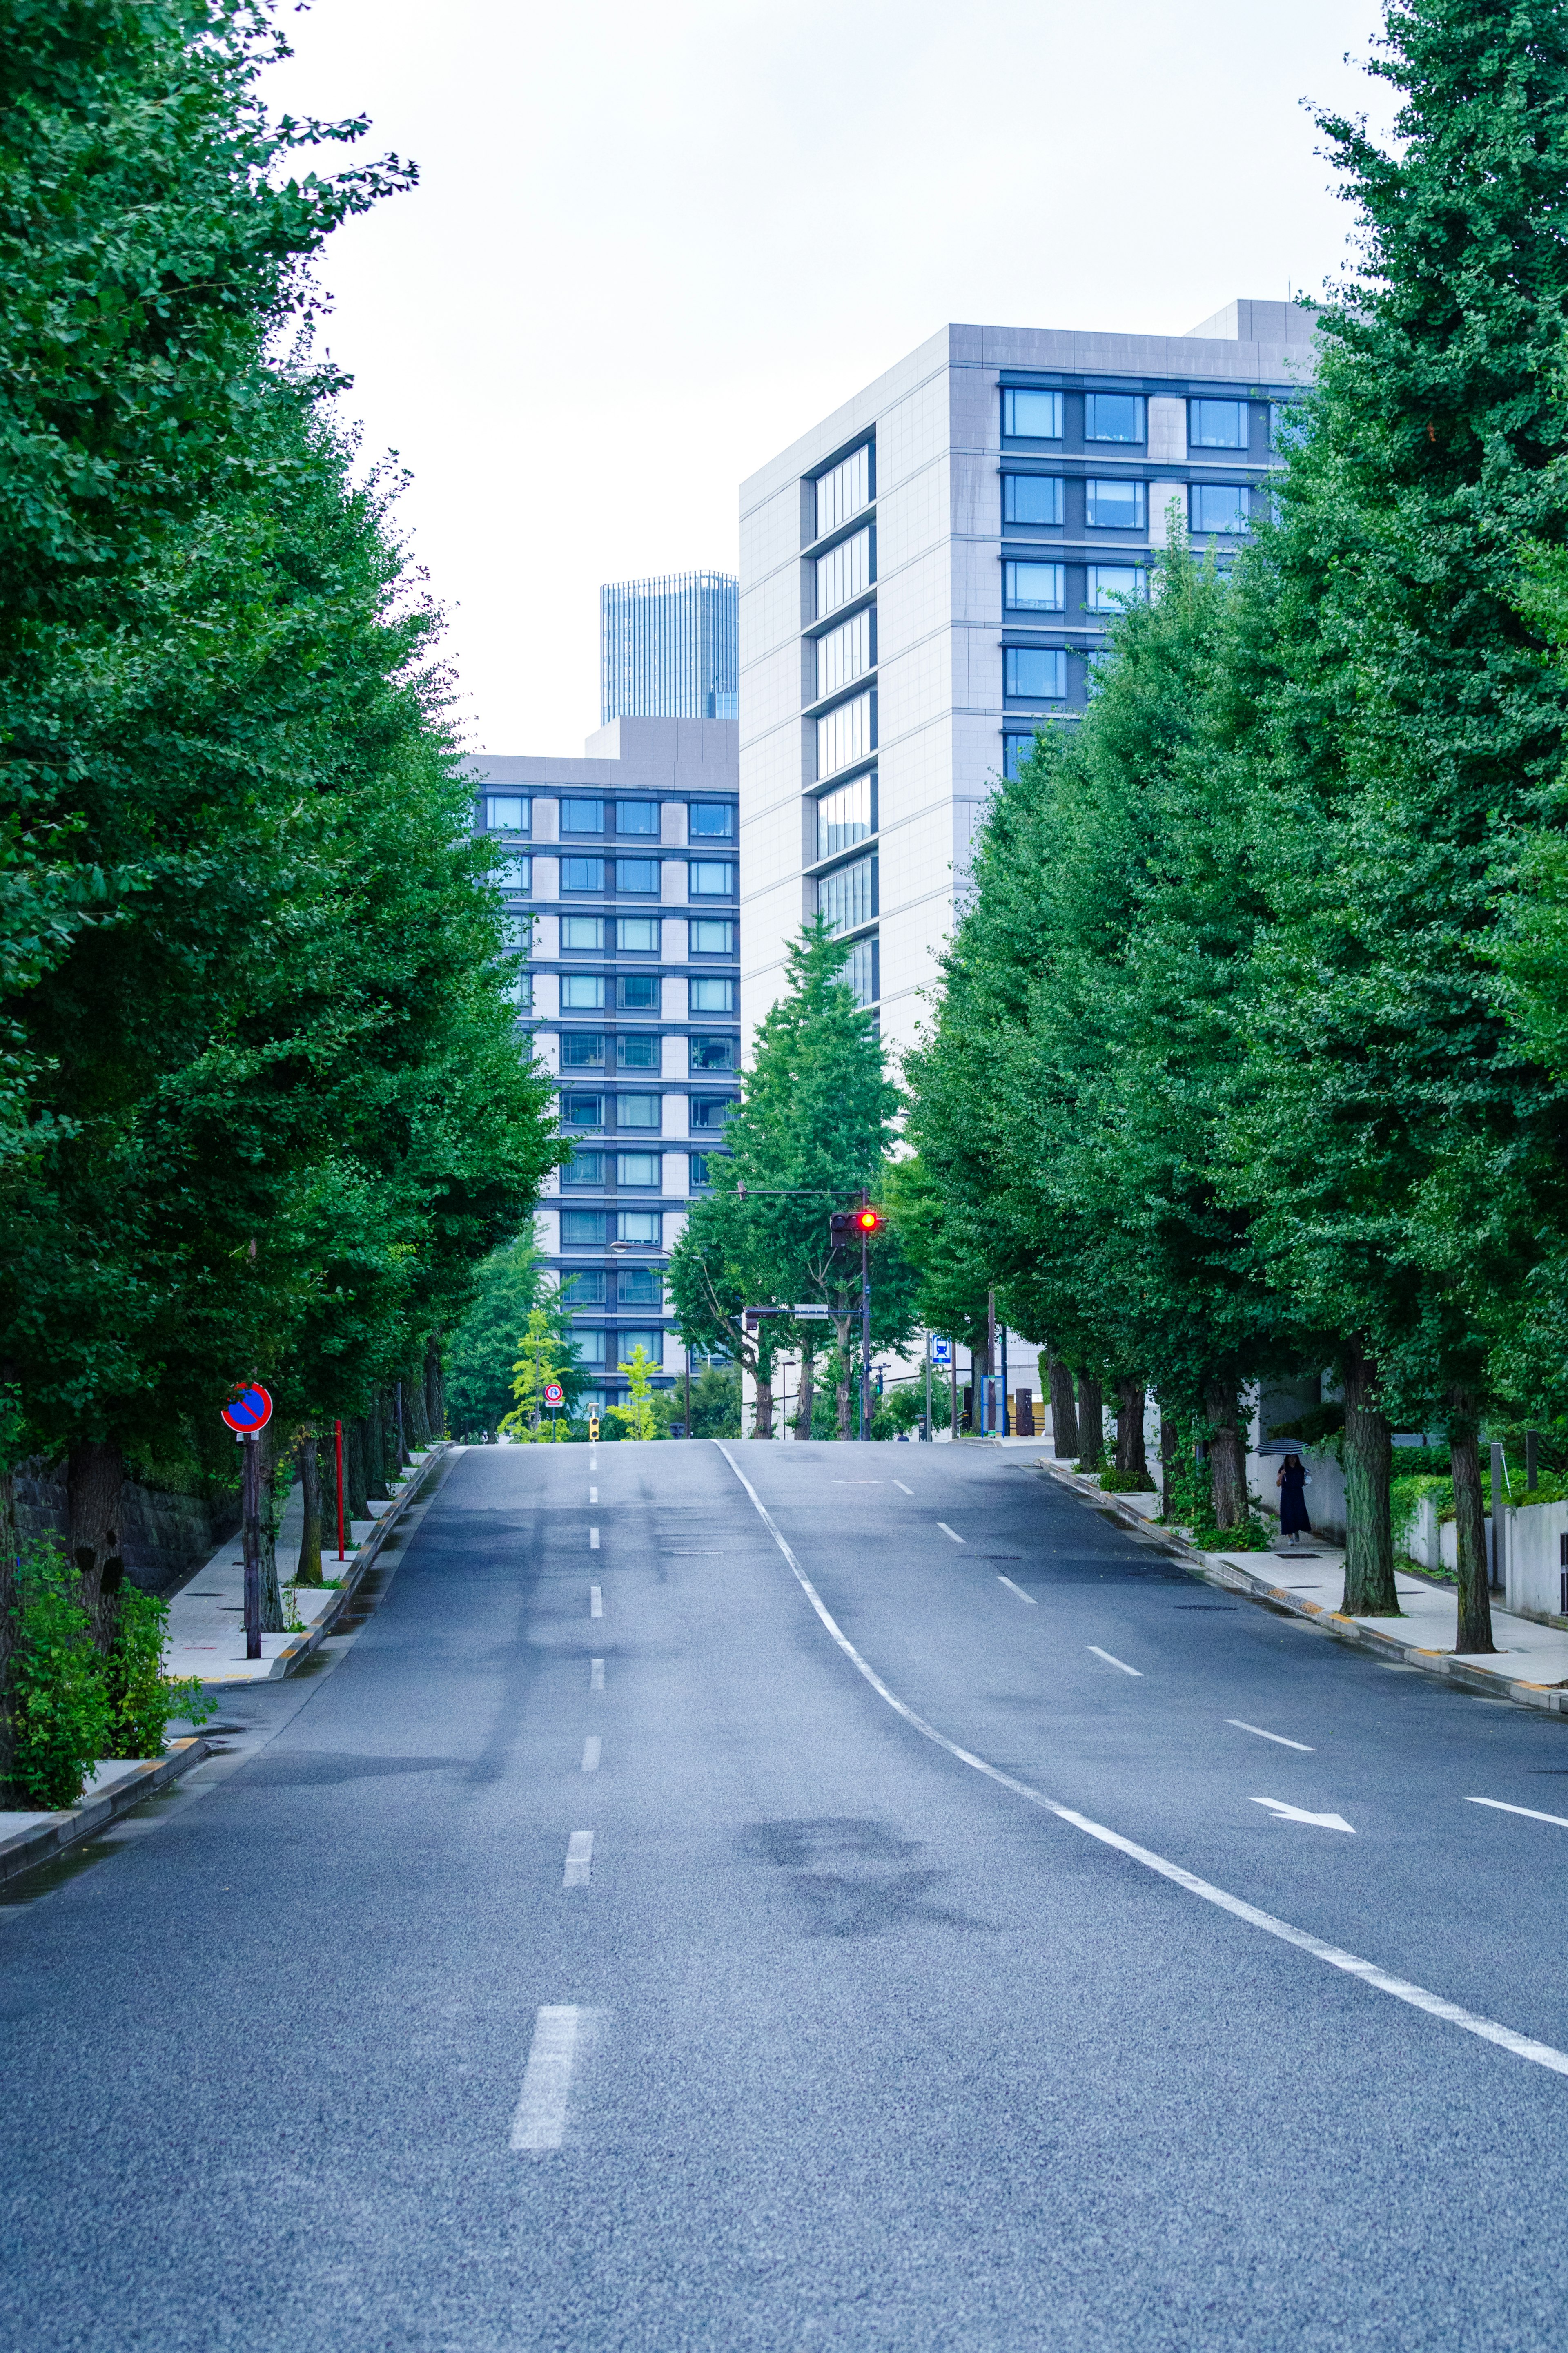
{"points": [[653, 243]]}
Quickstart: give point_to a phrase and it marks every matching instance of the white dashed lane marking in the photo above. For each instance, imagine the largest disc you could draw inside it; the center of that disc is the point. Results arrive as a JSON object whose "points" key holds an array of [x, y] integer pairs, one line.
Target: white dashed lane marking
{"points": [[540, 2119], [1018, 1590], [950, 1532], [590, 1753], [579, 1859], [596, 1602], [1111, 1661]]}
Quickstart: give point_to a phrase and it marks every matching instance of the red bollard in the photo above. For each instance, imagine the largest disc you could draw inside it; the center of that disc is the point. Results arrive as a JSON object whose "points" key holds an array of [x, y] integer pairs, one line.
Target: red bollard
{"points": [[338, 1437]]}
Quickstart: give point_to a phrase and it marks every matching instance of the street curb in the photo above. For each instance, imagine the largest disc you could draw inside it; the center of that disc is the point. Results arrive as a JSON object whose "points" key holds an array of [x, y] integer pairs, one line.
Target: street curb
{"points": [[296, 1652], [27, 1849], [1216, 1570]]}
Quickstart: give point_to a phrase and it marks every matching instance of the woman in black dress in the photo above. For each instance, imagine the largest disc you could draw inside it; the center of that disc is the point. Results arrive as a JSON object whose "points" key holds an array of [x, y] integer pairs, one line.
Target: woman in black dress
{"points": [[1292, 1483]]}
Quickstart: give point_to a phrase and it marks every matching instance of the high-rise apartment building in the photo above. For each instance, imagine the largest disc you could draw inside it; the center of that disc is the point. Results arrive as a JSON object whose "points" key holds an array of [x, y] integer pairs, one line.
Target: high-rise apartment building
{"points": [[925, 579], [669, 649], [620, 870]]}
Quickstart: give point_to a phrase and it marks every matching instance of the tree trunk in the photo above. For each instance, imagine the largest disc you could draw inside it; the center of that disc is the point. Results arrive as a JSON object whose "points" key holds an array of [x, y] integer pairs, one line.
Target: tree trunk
{"points": [[764, 1425], [357, 1490], [375, 1446], [309, 1570], [272, 1619], [1227, 1456], [1130, 1454], [1064, 1418], [842, 1397], [1369, 1590], [95, 1482], [807, 1402], [435, 1391], [1475, 1624], [1169, 1440], [415, 1418], [1090, 1423], [8, 1599]]}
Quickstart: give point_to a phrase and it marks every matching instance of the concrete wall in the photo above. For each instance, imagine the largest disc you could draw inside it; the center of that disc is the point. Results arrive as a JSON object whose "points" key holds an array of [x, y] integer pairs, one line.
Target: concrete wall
{"points": [[165, 1537]]}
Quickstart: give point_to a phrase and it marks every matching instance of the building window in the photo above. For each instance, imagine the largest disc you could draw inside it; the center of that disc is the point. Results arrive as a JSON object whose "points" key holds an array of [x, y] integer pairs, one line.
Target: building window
{"points": [[637, 816], [582, 1229], [582, 1050], [844, 654], [713, 1053], [844, 817], [582, 936], [583, 1169], [845, 734], [636, 874], [699, 1173], [847, 897], [522, 992], [1034, 587], [1108, 583], [1219, 506], [638, 1168], [638, 992], [843, 490], [709, 880], [637, 1111], [507, 813], [1031, 498], [586, 1288], [582, 1110], [710, 938], [636, 934], [707, 1110], [1216, 424], [1028, 416], [644, 1226], [650, 1342], [639, 1286], [636, 1053], [1114, 506], [861, 971], [1015, 750], [582, 816], [710, 820], [590, 1342], [1112, 417], [581, 992], [514, 875], [712, 996], [582, 874], [844, 572], [1041, 672]]}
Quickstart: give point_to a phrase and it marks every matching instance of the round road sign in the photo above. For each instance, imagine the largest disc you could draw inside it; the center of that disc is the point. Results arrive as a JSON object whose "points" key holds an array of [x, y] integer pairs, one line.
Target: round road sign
{"points": [[250, 1409], [554, 1393]]}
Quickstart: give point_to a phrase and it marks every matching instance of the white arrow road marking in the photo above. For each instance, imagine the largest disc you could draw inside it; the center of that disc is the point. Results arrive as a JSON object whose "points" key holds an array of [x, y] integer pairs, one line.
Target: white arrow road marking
{"points": [[1497, 1807], [1017, 1589], [1279, 1736], [1300, 1814], [950, 1532], [1116, 1662]]}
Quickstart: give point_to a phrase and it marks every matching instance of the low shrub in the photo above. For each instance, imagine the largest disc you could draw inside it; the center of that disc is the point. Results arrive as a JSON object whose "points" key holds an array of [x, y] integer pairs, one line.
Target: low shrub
{"points": [[1125, 1483], [60, 1720], [141, 1699]]}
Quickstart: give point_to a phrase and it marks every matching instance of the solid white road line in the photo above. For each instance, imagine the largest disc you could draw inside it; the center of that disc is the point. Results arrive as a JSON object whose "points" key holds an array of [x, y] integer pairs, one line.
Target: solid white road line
{"points": [[595, 1674], [592, 1494], [596, 1602], [579, 1859], [590, 1753], [1497, 1807], [592, 1540], [1285, 1813], [1279, 1736], [540, 2119], [950, 1532], [1116, 1662], [1018, 1590], [901, 1488], [1522, 2046]]}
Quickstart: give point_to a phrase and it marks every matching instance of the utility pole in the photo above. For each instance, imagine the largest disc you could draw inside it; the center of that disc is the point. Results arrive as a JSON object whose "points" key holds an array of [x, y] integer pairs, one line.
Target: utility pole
{"points": [[987, 1424], [686, 1426], [865, 1321], [925, 1433]]}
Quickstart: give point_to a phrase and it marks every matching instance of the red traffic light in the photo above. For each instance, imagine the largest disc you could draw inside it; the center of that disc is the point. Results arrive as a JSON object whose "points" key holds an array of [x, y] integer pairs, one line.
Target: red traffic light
{"points": [[869, 1221]]}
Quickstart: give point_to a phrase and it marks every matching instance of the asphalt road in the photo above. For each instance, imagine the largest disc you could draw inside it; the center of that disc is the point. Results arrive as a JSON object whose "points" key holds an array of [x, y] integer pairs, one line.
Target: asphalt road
{"points": [[483, 1997]]}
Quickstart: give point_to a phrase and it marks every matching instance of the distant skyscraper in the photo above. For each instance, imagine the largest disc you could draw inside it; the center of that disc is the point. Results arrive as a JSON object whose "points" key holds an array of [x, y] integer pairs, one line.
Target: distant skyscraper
{"points": [[669, 649]]}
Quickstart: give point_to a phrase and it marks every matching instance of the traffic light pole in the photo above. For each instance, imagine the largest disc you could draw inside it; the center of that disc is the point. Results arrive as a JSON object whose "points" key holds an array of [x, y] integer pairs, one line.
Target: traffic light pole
{"points": [[865, 1323]]}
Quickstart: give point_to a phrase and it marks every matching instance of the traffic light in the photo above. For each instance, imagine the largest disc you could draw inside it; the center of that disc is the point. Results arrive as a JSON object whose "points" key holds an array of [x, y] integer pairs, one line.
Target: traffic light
{"points": [[847, 1226], [867, 1221]]}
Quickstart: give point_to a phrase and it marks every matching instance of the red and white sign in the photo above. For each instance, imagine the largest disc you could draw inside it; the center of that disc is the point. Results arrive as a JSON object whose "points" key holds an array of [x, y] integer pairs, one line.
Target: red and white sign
{"points": [[554, 1393], [248, 1410]]}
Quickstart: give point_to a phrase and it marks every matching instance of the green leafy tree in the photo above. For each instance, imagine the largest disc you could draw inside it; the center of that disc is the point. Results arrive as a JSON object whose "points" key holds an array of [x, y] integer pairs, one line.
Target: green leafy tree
{"points": [[509, 1285], [544, 1357], [636, 1417]]}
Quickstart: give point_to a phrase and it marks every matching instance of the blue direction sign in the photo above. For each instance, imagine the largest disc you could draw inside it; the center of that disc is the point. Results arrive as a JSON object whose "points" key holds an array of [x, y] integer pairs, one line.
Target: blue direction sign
{"points": [[940, 1352]]}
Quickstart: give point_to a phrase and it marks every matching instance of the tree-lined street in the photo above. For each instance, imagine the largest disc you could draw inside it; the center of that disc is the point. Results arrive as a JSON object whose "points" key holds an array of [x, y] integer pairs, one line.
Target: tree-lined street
{"points": [[865, 2047]]}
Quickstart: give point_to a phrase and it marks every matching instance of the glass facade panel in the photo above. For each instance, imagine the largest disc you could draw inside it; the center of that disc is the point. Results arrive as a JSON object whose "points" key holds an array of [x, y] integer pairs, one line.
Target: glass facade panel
{"points": [[636, 1053], [578, 1110], [714, 1053], [586, 1288], [1015, 750], [637, 816], [636, 934], [844, 735], [1112, 417], [671, 647], [638, 1168], [514, 875], [637, 1111], [582, 816], [590, 1340], [1216, 424], [645, 1225], [1031, 498], [639, 1286], [844, 654], [1034, 587], [710, 938], [638, 992], [581, 992], [1109, 582], [710, 820], [582, 874], [843, 490], [1219, 506], [1029, 415], [712, 996], [707, 880], [861, 972], [508, 813], [1114, 506], [1040, 671], [651, 1343], [583, 1169], [582, 1230], [845, 898], [698, 1173], [707, 1110], [843, 573], [639, 874], [582, 1050], [583, 935], [844, 817]]}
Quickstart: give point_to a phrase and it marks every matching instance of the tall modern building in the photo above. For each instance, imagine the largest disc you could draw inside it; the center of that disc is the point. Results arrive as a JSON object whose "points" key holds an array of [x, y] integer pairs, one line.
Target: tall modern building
{"points": [[925, 579], [620, 870], [669, 649]]}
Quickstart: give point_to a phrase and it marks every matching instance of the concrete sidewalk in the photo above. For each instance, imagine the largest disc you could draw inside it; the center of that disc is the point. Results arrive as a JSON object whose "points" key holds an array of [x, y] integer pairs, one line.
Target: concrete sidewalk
{"points": [[114, 1786], [1530, 1665]]}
